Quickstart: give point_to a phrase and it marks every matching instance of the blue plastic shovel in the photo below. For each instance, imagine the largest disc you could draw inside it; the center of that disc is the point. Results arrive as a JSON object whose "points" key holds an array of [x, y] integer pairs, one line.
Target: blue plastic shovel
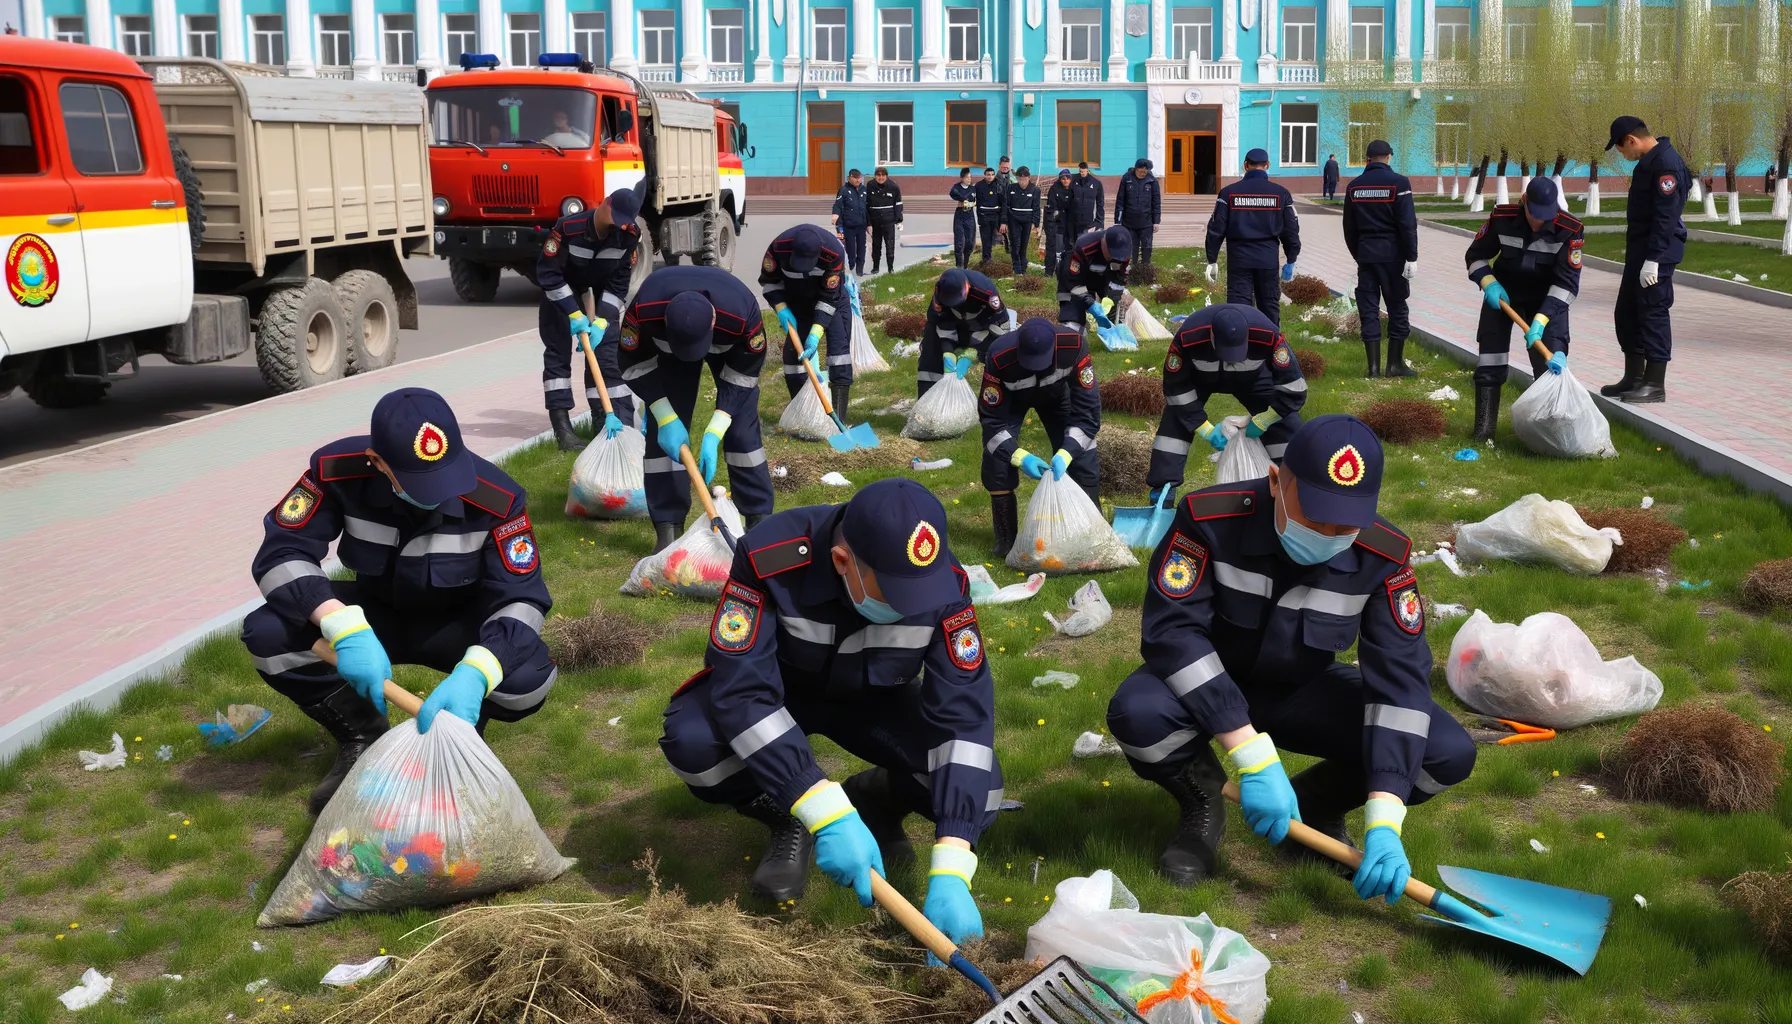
{"points": [[1142, 526], [860, 436]]}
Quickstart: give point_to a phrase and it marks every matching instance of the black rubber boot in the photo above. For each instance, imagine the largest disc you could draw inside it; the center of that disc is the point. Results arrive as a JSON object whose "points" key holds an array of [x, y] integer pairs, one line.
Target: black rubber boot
{"points": [[753, 521], [1487, 410], [355, 724], [842, 395], [1372, 351], [1326, 794], [1191, 857], [784, 870], [561, 421], [1652, 388], [1633, 375], [872, 791], [664, 534], [1397, 360], [1004, 512]]}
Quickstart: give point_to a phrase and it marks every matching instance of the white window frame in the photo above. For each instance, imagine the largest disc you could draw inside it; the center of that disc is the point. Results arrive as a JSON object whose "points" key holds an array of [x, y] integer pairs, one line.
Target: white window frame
{"points": [[267, 44], [1521, 25], [591, 36], [896, 34], [727, 35], [200, 41], [1729, 25], [1453, 39], [659, 39], [964, 34], [398, 40], [1589, 32], [522, 40], [895, 138], [69, 28], [1656, 42], [1300, 34], [1300, 138], [1450, 146], [1082, 34], [133, 42], [457, 40], [1358, 134], [1368, 27], [827, 33], [1191, 28], [335, 47]]}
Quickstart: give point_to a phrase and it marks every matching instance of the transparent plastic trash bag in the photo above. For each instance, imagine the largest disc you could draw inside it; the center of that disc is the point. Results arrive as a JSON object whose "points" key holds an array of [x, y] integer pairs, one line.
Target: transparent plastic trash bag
{"points": [[948, 409], [805, 418], [1064, 532], [696, 564], [1244, 458], [1536, 530], [1555, 416], [1089, 611], [607, 479], [865, 357], [423, 820], [1544, 671], [1143, 325], [1097, 922]]}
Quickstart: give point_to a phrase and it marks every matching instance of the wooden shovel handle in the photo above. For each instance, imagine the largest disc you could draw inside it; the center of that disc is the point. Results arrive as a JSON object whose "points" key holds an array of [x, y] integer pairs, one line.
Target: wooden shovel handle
{"points": [[1519, 320], [912, 921], [404, 699], [1349, 856], [697, 484], [597, 374], [814, 381]]}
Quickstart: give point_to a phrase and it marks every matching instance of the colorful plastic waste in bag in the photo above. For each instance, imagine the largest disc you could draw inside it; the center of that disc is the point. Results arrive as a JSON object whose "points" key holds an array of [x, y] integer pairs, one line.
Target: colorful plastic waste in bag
{"points": [[607, 478], [696, 564], [1064, 532]]}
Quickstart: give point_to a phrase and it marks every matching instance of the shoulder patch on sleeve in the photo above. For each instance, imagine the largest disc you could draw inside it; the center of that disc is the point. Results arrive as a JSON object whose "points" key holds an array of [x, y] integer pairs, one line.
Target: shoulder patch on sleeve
{"points": [[1403, 600], [1085, 374], [833, 282], [1184, 564], [768, 264], [1387, 542], [991, 391], [756, 340], [1282, 356], [1575, 258], [780, 557], [551, 247], [353, 466], [1220, 504], [964, 643], [490, 497], [516, 545], [736, 622], [299, 505]]}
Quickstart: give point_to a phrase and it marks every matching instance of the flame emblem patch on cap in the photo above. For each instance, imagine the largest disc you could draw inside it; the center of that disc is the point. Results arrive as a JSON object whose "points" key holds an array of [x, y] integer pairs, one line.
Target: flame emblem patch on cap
{"points": [[923, 544], [431, 444], [1346, 466]]}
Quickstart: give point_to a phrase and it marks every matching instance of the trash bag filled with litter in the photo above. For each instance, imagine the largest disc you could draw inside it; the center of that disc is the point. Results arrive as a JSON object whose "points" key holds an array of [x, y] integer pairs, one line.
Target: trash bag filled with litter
{"points": [[1544, 671], [607, 480], [1244, 458], [805, 418], [696, 564], [1063, 532], [1539, 531], [865, 357], [423, 820], [947, 410], [1089, 611], [1555, 416]]}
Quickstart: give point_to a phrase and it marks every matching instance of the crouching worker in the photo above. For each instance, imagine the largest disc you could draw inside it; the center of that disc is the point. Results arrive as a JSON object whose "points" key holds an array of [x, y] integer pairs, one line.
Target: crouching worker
{"points": [[1253, 594], [852, 621], [447, 574]]}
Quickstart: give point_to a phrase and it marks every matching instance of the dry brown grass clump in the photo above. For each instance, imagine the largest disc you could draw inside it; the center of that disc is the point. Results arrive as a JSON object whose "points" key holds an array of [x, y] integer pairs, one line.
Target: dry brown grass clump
{"points": [[1404, 420], [1648, 537], [1135, 394], [600, 639], [996, 269], [880, 312], [1312, 364], [1028, 312], [1182, 276], [810, 463], [1306, 290], [797, 475], [1700, 756], [1769, 584], [1766, 898], [1348, 323], [1028, 284], [1125, 463], [1141, 275], [1171, 293], [1001, 961], [906, 326]]}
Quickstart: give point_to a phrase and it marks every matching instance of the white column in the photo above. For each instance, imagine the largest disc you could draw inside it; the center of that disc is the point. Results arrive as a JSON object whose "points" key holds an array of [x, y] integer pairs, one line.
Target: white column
{"points": [[1430, 50], [1158, 31], [694, 65], [1337, 32], [429, 37], [1271, 41], [762, 35], [933, 27], [35, 25], [863, 31], [1116, 41], [553, 27], [99, 23], [1054, 43], [491, 30], [796, 24], [298, 43], [364, 34], [1767, 45], [1403, 40], [232, 25], [621, 30], [1229, 30], [1493, 30], [1017, 51], [164, 18]]}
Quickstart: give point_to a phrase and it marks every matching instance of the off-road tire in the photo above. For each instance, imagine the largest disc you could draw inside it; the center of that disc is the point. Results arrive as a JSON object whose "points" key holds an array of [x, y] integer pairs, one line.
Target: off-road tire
{"points": [[300, 341], [720, 243], [370, 315], [50, 389], [189, 186], [474, 282]]}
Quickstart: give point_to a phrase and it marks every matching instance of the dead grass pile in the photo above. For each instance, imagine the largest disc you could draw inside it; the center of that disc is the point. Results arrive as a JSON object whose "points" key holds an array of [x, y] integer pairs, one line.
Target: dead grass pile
{"points": [[1134, 394], [1403, 420], [880, 312], [1001, 961], [995, 270], [811, 462], [906, 326], [1170, 293], [1306, 290], [1347, 323], [1177, 275], [1697, 755], [1125, 462], [1141, 275], [1769, 584], [600, 639], [1028, 312], [1649, 538], [1765, 897], [1312, 364], [796, 475], [1028, 284]]}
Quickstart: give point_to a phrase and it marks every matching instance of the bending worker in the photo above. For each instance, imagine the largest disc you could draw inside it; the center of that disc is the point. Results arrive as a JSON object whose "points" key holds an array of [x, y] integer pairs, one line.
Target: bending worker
{"points": [[1042, 367], [1251, 217], [1251, 597], [803, 279], [1092, 279], [1381, 229], [965, 314], [447, 574], [852, 621], [594, 249]]}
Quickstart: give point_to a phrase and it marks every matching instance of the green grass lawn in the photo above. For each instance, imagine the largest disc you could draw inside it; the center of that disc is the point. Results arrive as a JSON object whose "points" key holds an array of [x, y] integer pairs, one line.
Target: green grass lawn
{"points": [[1774, 229], [1718, 259], [162, 867]]}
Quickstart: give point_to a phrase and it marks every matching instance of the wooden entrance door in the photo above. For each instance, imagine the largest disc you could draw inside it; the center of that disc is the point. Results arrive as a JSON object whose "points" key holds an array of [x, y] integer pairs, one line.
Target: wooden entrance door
{"points": [[827, 147], [1179, 173], [1192, 150]]}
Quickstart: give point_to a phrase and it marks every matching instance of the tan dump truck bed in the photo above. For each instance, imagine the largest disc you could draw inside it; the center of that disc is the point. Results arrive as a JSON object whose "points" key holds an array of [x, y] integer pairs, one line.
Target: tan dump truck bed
{"points": [[685, 148], [297, 164]]}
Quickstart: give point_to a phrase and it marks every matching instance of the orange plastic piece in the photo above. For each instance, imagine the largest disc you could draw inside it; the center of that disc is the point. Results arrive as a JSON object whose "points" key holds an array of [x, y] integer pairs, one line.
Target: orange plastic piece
{"points": [[1188, 986]]}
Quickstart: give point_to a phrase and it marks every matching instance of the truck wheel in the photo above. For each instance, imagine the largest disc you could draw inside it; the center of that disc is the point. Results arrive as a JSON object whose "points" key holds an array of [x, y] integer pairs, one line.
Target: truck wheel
{"points": [[718, 249], [370, 315], [300, 342], [50, 389], [189, 186], [474, 282]]}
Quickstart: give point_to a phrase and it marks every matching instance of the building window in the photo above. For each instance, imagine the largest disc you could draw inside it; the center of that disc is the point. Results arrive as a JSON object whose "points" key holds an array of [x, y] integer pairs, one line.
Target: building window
{"points": [[1079, 132], [1727, 33], [69, 30], [267, 39], [1365, 33], [1082, 34], [202, 35], [460, 34], [1452, 33], [1589, 32], [102, 137], [1452, 135], [1657, 37], [965, 133], [1300, 134], [398, 39], [525, 39], [658, 42], [895, 133], [1191, 31], [897, 31], [332, 41], [1300, 34], [134, 35], [727, 35], [588, 37], [961, 34], [1521, 23], [1368, 122], [830, 34]]}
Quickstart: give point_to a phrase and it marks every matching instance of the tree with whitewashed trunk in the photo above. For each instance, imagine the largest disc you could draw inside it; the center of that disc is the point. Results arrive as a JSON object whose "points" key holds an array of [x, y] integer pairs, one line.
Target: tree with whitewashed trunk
{"points": [[1683, 96]]}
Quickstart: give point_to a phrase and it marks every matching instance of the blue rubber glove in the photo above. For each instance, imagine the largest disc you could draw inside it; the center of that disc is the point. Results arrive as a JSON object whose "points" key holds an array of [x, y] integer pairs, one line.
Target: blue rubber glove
{"points": [[1495, 293], [1060, 463], [1534, 333], [1213, 436], [1032, 465], [1384, 870], [965, 362], [1287, 271], [671, 434], [1251, 429], [708, 456], [952, 910], [1558, 362], [846, 852], [813, 341], [1264, 792], [612, 425], [460, 694], [788, 319], [948, 363], [360, 657], [581, 325]]}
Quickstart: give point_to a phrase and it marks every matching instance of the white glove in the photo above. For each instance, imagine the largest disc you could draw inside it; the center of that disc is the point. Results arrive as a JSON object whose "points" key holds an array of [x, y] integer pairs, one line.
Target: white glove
{"points": [[1650, 275], [1412, 267], [1213, 272]]}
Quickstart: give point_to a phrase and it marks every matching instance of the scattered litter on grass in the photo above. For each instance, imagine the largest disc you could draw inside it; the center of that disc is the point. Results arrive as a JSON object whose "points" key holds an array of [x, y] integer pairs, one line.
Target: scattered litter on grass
{"points": [[900, 407], [172, 977], [256, 986], [1697, 755], [1095, 744], [164, 753], [234, 724], [1694, 542], [1448, 611], [1739, 278], [344, 975], [834, 479], [1640, 901], [1444, 394], [91, 990], [1011, 805], [919, 463], [905, 349], [1589, 788], [1648, 502], [1089, 611], [1467, 455], [1062, 680], [1544, 671], [96, 762], [1688, 585], [614, 721], [1539, 847], [1536, 530], [985, 591]]}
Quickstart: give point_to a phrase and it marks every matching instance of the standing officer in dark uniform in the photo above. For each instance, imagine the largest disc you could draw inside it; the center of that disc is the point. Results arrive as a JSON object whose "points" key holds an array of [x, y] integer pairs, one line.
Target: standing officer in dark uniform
{"points": [[883, 204], [965, 315], [1654, 243], [851, 217], [1381, 229], [595, 249], [854, 622], [447, 574], [1045, 368], [683, 318], [992, 210], [803, 279], [1023, 217], [1331, 176], [964, 219], [1251, 217], [1224, 350], [1138, 206], [1088, 204], [1252, 595], [1527, 254], [1057, 220], [1093, 277]]}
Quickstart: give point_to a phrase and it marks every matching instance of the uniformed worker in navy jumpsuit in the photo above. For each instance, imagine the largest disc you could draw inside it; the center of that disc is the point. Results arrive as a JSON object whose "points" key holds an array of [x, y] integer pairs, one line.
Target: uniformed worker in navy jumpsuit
{"points": [[966, 314], [1654, 244], [964, 219], [1044, 368], [1093, 275], [1251, 598], [854, 622], [803, 279], [1381, 229], [447, 574], [683, 318], [1251, 218], [1528, 254], [594, 249], [1224, 350]]}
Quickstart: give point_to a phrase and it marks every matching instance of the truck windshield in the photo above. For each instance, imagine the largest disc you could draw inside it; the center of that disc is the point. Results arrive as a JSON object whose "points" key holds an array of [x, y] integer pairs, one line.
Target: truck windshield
{"points": [[513, 115]]}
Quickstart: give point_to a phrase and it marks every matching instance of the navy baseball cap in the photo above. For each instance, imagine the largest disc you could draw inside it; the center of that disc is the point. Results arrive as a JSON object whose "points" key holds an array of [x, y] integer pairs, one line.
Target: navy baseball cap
{"points": [[1540, 198], [690, 322], [1063, 172], [805, 249], [1119, 243], [1037, 344], [949, 290], [1140, 162], [1379, 147], [1625, 125], [1337, 460], [1256, 156], [898, 528], [1231, 334], [417, 435], [625, 206]]}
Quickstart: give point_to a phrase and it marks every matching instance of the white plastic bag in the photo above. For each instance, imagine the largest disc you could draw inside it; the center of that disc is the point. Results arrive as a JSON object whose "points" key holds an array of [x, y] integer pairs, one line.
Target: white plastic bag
{"points": [[1064, 532], [805, 418], [423, 819], [1143, 325], [1244, 458], [696, 564], [985, 591], [1089, 611], [607, 479], [1555, 416], [1537, 530], [1544, 671], [1097, 922], [948, 409], [93, 987]]}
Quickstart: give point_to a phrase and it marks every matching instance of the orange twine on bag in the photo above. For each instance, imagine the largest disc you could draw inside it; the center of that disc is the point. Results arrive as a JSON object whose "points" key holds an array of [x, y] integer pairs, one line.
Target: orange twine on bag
{"points": [[1188, 986]]}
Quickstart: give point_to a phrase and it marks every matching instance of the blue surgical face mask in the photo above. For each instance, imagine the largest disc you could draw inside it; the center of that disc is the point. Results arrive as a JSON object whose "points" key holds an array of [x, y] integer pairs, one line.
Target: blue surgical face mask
{"points": [[871, 608], [414, 501], [1308, 546]]}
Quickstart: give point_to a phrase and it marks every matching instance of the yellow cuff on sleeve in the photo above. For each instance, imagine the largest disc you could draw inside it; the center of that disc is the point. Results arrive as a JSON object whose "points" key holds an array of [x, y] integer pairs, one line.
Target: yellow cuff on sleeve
{"points": [[719, 423], [1019, 456], [1205, 430], [1489, 279], [1266, 419], [950, 860], [822, 806], [1254, 754], [1382, 810], [342, 622], [1541, 319], [487, 664], [662, 412]]}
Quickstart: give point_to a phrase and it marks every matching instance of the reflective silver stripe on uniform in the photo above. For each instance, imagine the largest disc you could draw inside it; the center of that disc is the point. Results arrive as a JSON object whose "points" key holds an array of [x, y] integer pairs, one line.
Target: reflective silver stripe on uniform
{"points": [[596, 397], [740, 380], [1478, 266], [660, 465], [522, 611], [1426, 784], [961, 752], [1275, 450], [284, 573], [611, 254], [1205, 365], [714, 776], [1387, 716], [1065, 296], [1097, 267], [1242, 580], [840, 360], [754, 737], [557, 384], [1295, 386], [1193, 676], [1170, 445], [1080, 290], [614, 300], [792, 273], [808, 629], [997, 441], [1512, 240], [1493, 359], [1055, 376], [524, 701], [825, 308], [581, 252], [1542, 245], [941, 332], [911, 637], [1556, 291], [1076, 434], [1162, 748], [369, 531], [444, 544], [1246, 364], [562, 292], [1181, 398], [929, 375], [663, 345], [994, 803], [640, 369], [745, 460], [1022, 384], [621, 391], [285, 662], [1329, 601], [794, 370]]}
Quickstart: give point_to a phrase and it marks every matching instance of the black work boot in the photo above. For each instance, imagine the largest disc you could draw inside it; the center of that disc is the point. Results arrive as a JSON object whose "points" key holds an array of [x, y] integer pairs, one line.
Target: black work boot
{"points": [[561, 421], [1004, 512], [841, 394], [1652, 388], [1326, 793], [1372, 352], [1397, 360], [873, 793], [754, 520], [1633, 375], [1487, 410], [1192, 855], [784, 870], [664, 534], [347, 716]]}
